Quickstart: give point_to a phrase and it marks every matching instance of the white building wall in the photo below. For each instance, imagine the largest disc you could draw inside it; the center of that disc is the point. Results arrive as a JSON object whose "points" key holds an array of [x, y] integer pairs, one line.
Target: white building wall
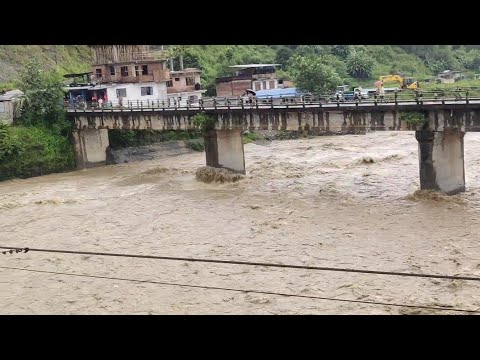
{"points": [[134, 92]]}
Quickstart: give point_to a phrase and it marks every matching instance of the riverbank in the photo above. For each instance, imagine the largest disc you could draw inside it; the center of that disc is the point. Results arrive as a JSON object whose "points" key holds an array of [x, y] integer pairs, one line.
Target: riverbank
{"points": [[28, 151]]}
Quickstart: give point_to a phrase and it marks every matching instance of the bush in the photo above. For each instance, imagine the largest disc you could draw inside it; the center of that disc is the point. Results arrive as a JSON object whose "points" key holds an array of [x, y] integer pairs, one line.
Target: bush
{"points": [[413, 118], [32, 151], [249, 137], [196, 145], [9, 146], [203, 122]]}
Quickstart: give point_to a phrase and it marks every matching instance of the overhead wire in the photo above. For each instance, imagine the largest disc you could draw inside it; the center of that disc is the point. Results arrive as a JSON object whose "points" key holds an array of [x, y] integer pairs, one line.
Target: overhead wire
{"points": [[439, 308], [246, 263]]}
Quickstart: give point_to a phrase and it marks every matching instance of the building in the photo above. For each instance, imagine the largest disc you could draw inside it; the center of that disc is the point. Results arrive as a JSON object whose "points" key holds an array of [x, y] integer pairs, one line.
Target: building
{"points": [[251, 76], [10, 103], [184, 85], [449, 77], [131, 73]]}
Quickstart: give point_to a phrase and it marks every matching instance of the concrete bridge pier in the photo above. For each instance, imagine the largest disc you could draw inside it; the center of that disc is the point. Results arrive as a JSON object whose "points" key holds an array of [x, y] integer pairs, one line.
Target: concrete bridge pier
{"points": [[441, 160], [90, 147], [224, 149]]}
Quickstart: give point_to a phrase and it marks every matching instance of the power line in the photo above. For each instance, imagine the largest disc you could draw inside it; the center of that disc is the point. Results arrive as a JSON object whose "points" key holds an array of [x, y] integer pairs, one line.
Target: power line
{"points": [[442, 308], [248, 263]]}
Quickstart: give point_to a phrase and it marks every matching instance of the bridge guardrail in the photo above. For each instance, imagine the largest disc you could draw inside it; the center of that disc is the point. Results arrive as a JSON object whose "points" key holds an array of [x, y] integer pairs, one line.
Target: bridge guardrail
{"points": [[395, 98]]}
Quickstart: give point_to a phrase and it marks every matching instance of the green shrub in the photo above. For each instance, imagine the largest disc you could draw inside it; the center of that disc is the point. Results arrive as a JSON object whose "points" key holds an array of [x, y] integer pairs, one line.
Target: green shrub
{"points": [[250, 137], [203, 122], [196, 145], [27, 151], [413, 118]]}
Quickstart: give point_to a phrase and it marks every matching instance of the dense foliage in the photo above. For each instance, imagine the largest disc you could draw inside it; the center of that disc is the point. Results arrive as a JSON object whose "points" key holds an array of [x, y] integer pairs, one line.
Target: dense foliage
{"points": [[354, 64], [311, 74], [27, 151], [365, 63], [39, 142]]}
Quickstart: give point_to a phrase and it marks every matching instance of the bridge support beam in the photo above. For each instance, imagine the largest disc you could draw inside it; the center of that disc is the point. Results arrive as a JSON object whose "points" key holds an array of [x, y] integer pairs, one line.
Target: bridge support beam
{"points": [[90, 147], [224, 149], [441, 160]]}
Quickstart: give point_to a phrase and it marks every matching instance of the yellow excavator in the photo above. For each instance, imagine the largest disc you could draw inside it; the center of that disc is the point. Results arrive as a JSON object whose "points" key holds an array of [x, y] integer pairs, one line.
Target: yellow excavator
{"points": [[405, 83]]}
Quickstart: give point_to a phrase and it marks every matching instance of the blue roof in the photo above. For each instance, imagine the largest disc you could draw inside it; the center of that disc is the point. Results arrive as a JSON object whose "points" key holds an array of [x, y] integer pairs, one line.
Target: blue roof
{"points": [[278, 93]]}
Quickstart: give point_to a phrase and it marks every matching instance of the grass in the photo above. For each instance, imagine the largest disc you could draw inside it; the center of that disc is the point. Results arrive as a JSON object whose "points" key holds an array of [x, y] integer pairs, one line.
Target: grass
{"points": [[250, 137]]}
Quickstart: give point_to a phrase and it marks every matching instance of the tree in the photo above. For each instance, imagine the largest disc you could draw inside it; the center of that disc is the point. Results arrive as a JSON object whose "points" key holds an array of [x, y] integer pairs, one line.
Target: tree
{"points": [[359, 65], [180, 51], [342, 51], [44, 96], [437, 65], [312, 75], [284, 54]]}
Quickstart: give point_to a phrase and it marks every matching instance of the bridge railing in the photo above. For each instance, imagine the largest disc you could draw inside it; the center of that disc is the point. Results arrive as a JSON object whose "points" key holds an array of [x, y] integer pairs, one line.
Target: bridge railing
{"points": [[400, 97]]}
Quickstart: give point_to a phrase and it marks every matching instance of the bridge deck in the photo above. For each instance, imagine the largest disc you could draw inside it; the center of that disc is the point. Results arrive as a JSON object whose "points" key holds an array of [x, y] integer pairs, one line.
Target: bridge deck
{"points": [[364, 105]]}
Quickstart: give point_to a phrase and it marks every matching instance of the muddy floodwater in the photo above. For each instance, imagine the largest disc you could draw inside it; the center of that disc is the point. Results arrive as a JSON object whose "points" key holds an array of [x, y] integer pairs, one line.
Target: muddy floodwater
{"points": [[341, 201]]}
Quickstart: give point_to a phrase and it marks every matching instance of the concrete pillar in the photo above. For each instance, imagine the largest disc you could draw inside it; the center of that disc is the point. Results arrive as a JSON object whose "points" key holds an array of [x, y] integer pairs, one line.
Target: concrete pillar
{"points": [[224, 149], [441, 160], [90, 147]]}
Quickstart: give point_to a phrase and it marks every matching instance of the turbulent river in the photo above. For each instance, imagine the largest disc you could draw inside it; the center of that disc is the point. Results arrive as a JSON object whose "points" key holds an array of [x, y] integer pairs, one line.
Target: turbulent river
{"points": [[318, 202]]}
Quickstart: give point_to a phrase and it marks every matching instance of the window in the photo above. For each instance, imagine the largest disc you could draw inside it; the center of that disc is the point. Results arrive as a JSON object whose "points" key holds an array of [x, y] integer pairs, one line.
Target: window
{"points": [[112, 70], [98, 73], [124, 70], [177, 79], [146, 90], [190, 81], [169, 83], [2, 107], [144, 69], [137, 72], [121, 93]]}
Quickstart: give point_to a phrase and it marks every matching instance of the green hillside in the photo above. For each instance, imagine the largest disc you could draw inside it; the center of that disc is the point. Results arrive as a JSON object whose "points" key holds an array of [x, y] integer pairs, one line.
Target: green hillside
{"points": [[65, 58], [354, 64]]}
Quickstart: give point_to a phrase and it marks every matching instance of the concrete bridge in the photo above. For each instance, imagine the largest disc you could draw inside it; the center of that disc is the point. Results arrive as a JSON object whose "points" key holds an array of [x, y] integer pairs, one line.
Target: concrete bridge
{"points": [[440, 138]]}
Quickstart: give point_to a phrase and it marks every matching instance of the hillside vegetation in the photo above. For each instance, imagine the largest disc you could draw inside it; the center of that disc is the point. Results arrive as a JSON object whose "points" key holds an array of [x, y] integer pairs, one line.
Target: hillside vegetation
{"points": [[350, 64], [353, 64], [64, 58]]}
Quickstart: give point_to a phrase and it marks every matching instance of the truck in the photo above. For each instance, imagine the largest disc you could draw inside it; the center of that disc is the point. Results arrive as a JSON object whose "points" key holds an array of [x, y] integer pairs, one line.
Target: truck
{"points": [[344, 93]]}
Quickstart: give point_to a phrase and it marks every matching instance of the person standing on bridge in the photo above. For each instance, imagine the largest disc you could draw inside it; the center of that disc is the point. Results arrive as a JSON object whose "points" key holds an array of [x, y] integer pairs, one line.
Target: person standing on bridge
{"points": [[382, 91]]}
